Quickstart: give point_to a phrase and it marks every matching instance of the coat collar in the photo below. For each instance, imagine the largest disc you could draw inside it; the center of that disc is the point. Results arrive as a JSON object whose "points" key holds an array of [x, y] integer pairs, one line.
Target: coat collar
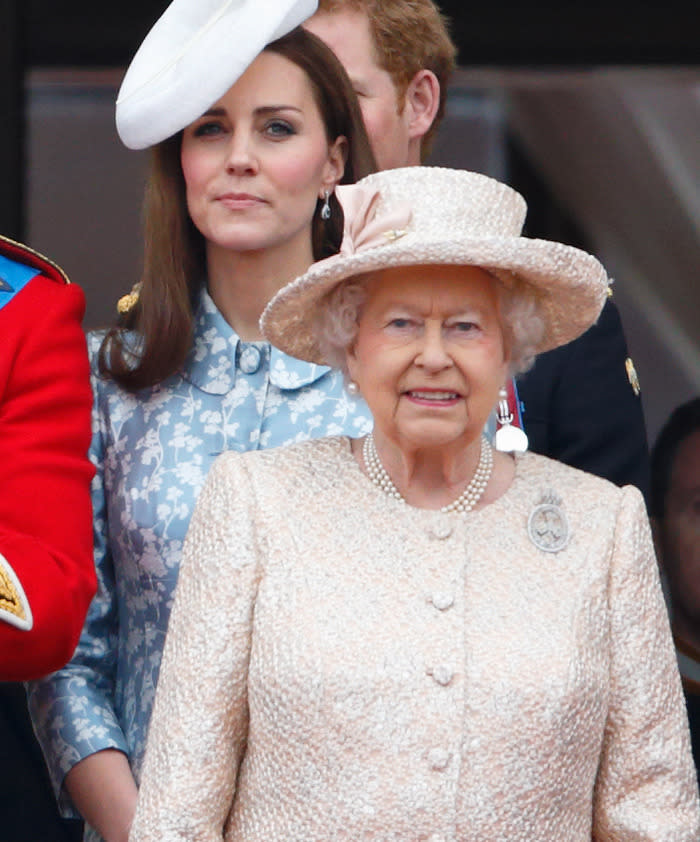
{"points": [[212, 363], [28, 257]]}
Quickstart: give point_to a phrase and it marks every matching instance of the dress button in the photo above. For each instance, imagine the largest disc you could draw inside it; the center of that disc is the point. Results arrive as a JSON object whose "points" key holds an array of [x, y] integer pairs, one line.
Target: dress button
{"points": [[442, 675], [442, 600], [441, 530], [438, 759], [249, 360]]}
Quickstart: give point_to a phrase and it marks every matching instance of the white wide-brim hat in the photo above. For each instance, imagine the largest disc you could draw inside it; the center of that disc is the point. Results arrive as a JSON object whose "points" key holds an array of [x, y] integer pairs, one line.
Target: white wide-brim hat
{"points": [[436, 216], [193, 54]]}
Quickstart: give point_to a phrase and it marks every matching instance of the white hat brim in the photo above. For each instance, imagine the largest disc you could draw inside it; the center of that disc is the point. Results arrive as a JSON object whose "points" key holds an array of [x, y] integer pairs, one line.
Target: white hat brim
{"points": [[193, 54], [570, 284]]}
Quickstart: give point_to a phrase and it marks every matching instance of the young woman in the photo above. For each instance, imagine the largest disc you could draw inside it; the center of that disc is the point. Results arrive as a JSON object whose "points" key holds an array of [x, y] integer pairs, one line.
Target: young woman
{"points": [[239, 203]]}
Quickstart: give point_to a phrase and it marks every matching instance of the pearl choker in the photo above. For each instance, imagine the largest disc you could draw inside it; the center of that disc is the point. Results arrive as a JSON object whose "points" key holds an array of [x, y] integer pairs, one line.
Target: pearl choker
{"points": [[466, 500]]}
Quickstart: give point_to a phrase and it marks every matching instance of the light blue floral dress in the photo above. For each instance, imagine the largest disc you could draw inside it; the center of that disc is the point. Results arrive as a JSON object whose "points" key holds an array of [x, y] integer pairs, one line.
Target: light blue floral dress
{"points": [[152, 452]]}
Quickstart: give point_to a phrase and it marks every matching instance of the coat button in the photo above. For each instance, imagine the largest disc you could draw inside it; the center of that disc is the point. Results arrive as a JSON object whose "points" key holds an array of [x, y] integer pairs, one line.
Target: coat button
{"points": [[438, 758], [250, 358], [442, 675], [442, 600], [441, 530]]}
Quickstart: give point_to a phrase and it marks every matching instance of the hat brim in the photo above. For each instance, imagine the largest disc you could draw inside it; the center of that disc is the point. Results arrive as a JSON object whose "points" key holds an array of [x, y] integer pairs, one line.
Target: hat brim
{"points": [[570, 284], [191, 58]]}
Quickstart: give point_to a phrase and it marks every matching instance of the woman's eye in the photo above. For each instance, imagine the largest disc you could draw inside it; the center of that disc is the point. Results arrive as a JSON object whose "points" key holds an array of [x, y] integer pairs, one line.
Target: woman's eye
{"points": [[400, 323], [465, 327], [279, 128], [208, 130]]}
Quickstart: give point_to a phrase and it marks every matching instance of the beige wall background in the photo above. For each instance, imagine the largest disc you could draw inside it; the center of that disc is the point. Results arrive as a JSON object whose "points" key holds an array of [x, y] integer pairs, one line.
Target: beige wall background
{"points": [[617, 148]]}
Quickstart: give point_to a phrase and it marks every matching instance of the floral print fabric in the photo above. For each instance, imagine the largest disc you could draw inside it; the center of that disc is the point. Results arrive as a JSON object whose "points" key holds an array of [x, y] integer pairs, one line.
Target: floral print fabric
{"points": [[152, 451]]}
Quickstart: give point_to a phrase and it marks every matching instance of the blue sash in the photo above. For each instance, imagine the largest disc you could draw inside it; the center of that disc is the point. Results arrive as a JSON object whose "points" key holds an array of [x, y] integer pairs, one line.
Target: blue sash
{"points": [[13, 278]]}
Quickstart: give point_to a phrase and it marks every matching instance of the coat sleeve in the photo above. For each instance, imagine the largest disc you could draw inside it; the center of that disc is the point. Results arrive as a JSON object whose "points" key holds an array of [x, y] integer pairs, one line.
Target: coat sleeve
{"points": [[646, 787], [45, 514], [73, 709], [580, 408], [199, 726]]}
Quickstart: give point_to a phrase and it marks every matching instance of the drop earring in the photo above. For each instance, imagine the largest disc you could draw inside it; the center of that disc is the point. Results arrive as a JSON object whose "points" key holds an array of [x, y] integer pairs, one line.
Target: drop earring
{"points": [[352, 388], [326, 208], [509, 437]]}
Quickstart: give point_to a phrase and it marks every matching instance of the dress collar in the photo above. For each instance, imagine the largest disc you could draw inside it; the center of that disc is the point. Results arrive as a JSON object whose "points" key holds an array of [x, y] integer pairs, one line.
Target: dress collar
{"points": [[214, 360]]}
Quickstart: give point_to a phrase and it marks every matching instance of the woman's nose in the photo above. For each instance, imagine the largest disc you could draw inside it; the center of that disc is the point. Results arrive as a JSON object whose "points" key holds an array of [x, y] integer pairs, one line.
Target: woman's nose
{"points": [[433, 353], [241, 154]]}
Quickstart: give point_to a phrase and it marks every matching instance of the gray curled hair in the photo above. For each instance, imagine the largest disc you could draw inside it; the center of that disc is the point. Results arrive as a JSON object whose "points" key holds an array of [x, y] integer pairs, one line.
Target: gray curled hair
{"points": [[338, 317]]}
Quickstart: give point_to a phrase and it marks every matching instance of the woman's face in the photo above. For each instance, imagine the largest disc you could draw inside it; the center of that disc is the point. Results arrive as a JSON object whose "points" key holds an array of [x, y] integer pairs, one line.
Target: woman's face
{"points": [[257, 161], [429, 356]]}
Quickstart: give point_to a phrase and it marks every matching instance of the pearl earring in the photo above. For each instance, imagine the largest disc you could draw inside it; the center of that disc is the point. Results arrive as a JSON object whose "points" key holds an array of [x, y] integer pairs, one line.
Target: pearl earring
{"points": [[352, 388]]}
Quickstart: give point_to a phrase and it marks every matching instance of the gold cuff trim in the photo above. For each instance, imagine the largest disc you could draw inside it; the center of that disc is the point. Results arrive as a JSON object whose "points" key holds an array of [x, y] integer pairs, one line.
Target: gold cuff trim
{"points": [[14, 605]]}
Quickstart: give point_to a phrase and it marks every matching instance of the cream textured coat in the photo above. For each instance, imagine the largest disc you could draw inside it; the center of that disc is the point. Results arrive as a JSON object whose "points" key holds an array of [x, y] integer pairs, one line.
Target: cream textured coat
{"points": [[342, 666]]}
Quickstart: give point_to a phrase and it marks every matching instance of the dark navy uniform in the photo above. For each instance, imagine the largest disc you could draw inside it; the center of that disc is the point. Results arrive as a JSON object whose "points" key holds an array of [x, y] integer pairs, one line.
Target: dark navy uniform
{"points": [[581, 405]]}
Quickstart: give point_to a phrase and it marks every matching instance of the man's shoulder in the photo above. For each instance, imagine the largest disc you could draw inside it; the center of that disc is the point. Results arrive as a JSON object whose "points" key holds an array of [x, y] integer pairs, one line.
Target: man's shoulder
{"points": [[20, 265], [605, 339], [581, 404], [24, 256]]}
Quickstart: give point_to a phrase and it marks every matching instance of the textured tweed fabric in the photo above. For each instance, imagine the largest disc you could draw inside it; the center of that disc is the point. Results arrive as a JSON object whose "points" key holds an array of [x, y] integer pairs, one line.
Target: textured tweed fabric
{"points": [[342, 666]]}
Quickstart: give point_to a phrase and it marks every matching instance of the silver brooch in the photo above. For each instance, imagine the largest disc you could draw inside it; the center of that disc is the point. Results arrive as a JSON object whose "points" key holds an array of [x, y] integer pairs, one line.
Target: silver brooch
{"points": [[547, 525]]}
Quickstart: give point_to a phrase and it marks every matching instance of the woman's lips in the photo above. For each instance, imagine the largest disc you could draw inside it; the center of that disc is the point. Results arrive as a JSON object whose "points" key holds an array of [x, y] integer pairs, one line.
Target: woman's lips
{"points": [[240, 201], [433, 396]]}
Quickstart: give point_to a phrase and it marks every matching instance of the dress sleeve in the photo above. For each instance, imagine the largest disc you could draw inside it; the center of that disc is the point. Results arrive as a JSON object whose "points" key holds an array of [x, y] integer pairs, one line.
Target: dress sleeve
{"points": [[46, 572], [646, 788], [199, 726], [73, 710]]}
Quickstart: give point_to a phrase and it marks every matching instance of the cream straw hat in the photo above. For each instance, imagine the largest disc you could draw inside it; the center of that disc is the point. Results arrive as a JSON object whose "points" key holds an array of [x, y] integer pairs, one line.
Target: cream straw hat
{"points": [[437, 216], [193, 54]]}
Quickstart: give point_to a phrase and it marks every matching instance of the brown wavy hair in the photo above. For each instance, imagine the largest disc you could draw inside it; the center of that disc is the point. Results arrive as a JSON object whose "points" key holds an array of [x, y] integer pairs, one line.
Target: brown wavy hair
{"points": [[151, 341], [408, 36]]}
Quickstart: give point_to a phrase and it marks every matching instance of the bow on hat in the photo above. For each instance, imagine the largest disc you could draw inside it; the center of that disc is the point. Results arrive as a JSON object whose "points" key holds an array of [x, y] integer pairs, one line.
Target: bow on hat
{"points": [[463, 219], [364, 227]]}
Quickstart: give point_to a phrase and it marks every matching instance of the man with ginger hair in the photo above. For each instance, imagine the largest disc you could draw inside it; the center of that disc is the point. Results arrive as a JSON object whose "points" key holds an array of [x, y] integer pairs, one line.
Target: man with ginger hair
{"points": [[580, 402], [399, 57]]}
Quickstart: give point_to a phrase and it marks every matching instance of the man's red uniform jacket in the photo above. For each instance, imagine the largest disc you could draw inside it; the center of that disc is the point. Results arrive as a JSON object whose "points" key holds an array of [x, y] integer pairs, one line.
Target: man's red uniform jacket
{"points": [[47, 575]]}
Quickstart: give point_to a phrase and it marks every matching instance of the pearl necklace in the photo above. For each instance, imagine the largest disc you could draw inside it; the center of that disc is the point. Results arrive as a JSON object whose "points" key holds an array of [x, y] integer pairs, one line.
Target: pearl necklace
{"points": [[466, 500]]}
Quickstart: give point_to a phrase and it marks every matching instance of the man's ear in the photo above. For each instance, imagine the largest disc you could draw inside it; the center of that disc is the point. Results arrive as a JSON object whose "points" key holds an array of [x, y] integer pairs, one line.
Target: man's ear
{"points": [[422, 101]]}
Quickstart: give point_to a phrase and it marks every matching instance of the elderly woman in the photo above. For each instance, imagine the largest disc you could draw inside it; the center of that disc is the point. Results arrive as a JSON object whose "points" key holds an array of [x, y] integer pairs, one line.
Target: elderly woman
{"points": [[410, 636]]}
